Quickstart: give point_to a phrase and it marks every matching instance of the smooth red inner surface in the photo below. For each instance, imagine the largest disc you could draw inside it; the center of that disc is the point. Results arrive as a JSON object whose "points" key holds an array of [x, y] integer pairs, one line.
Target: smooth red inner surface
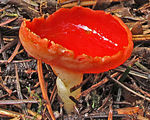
{"points": [[84, 31]]}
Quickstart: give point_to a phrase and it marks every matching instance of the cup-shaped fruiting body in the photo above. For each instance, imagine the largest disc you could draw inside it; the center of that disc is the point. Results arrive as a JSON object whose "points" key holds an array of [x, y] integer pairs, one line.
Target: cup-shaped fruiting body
{"points": [[79, 40]]}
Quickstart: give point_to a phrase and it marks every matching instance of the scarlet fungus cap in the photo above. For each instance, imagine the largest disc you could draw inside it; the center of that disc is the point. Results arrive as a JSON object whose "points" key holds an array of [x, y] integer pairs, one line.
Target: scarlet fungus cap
{"points": [[78, 39]]}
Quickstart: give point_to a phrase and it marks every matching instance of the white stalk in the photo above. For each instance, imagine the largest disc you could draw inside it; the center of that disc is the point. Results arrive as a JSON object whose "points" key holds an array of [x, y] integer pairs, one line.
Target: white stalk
{"points": [[65, 80]]}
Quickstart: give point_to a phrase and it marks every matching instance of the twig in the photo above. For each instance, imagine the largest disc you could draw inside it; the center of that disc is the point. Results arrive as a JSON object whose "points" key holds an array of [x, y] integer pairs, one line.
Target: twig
{"points": [[105, 101], [9, 91], [8, 21], [110, 115], [38, 116], [2, 46], [0, 38], [19, 90], [93, 87], [74, 100], [97, 116], [66, 2], [30, 11], [22, 101], [80, 85], [136, 87], [4, 8], [83, 3], [53, 94], [133, 72], [122, 103], [137, 38], [142, 67], [8, 113], [13, 114], [15, 61], [12, 43], [15, 52], [43, 88], [125, 87]]}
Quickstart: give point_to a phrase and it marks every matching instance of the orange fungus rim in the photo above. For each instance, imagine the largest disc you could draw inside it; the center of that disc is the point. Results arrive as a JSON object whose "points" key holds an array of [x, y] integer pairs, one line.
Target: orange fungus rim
{"points": [[57, 55]]}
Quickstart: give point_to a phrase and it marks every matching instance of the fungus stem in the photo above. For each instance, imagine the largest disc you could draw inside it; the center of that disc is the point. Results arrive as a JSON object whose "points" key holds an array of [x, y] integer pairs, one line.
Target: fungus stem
{"points": [[43, 89], [67, 79]]}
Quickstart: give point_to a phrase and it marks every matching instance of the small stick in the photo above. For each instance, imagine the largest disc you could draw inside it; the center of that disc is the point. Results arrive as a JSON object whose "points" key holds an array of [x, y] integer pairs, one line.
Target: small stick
{"points": [[15, 52], [19, 89], [130, 90], [9, 91], [136, 87], [2, 46], [22, 101], [93, 87], [38, 116], [15, 61], [53, 94], [141, 36], [8, 21], [80, 85], [13, 114], [6, 7], [12, 43], [83, 3], [105, 101], [43, 89], [110, 115], [137, 38], [66, 2]]}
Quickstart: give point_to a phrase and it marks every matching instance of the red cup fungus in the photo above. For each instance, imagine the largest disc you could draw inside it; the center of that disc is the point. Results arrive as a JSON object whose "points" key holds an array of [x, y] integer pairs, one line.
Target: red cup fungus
{"points": [[76, 41]]}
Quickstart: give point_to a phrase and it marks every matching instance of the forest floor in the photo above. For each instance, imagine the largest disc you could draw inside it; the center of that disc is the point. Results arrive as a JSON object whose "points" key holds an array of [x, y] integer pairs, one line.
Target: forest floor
{"points": [[122, 93]]}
